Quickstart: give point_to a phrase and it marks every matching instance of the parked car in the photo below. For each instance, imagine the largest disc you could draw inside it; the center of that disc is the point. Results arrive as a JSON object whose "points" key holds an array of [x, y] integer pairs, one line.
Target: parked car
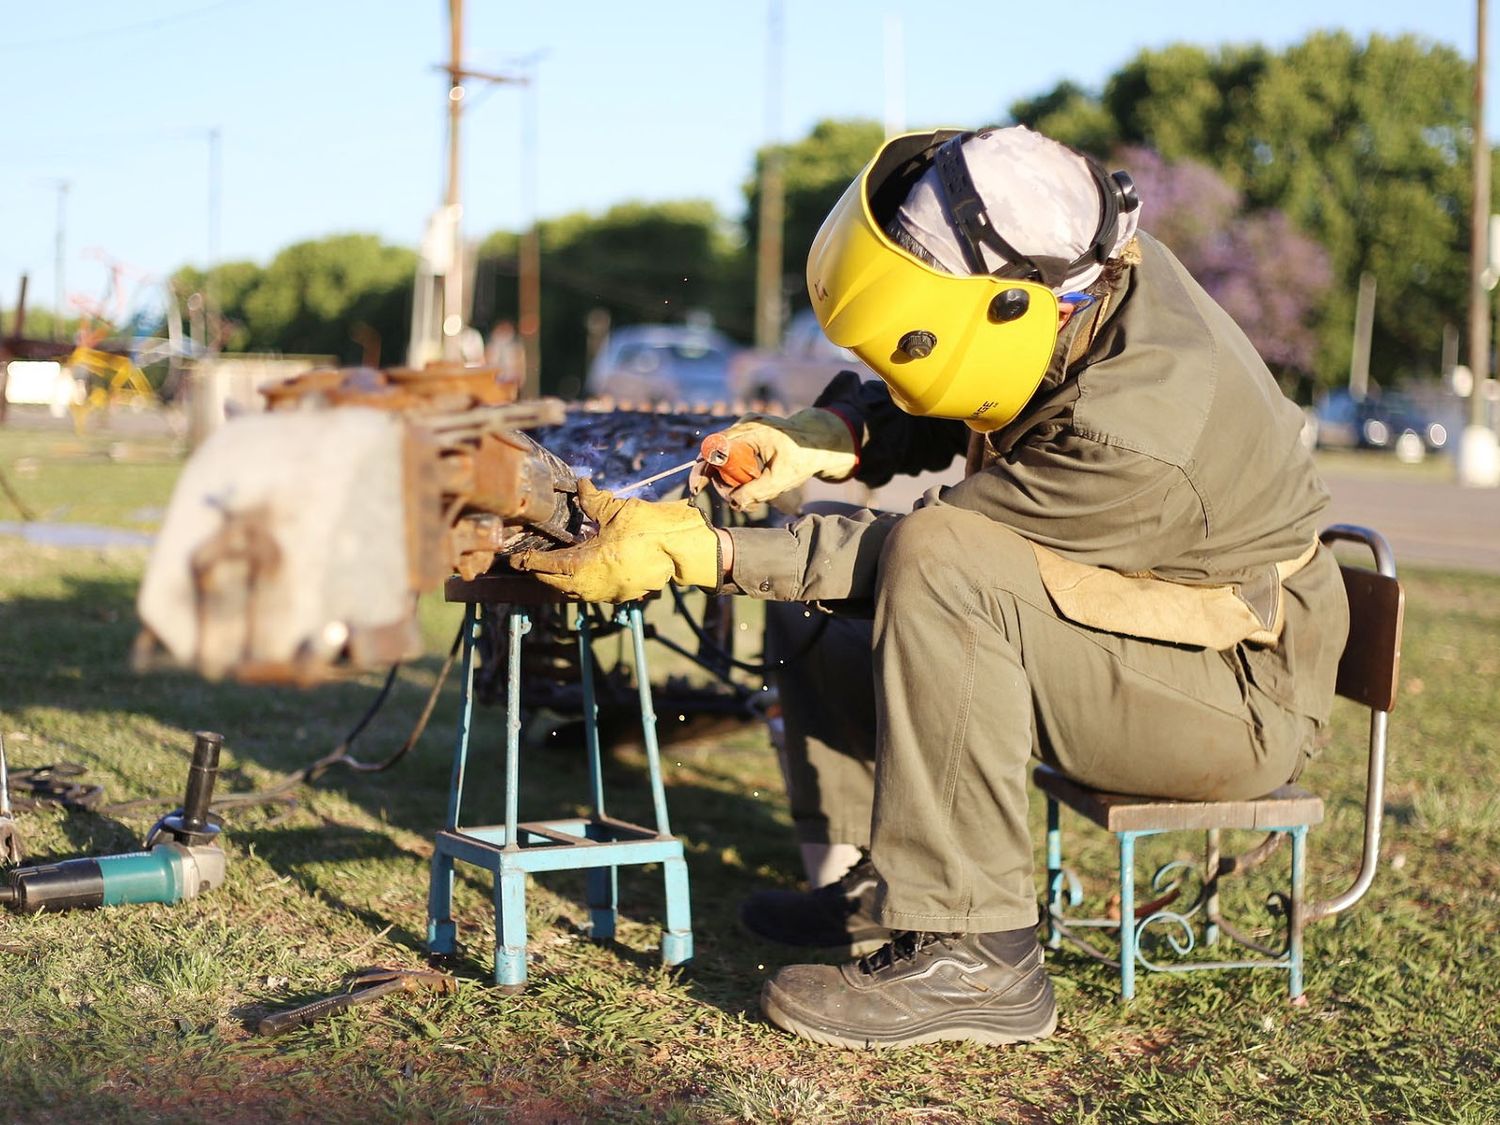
{"points": [[793, 374], [1392, 420], [656, 363]]}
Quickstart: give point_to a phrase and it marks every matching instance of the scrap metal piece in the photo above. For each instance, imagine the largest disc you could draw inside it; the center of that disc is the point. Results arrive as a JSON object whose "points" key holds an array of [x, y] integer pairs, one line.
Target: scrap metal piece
{"points": [[297, 541], [364, 987]]}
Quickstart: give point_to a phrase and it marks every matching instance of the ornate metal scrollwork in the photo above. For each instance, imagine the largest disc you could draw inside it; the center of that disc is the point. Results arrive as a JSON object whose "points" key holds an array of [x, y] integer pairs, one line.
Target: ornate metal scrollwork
{"points": [[1182, 946]]}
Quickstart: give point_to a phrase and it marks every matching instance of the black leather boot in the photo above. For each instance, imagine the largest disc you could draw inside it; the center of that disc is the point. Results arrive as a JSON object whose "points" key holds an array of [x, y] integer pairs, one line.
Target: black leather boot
{"points": [[919, 988], [837, 916]]}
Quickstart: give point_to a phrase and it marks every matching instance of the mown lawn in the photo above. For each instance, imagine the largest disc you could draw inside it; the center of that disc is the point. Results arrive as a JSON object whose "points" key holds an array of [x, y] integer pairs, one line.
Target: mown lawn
{"points": [[144, 1013]]}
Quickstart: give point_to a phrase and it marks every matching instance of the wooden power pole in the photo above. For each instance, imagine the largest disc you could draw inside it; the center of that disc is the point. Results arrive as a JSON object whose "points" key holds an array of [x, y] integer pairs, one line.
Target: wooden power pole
{"points": [[768, 257], [455, 306], [1478, 453]]}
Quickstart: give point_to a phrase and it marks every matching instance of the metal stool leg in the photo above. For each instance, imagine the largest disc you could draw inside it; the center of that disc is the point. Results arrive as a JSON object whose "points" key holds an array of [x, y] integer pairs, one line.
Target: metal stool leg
{"points": [[1127, 915], [1211, 897], [603, 882], [1053, 938], [648, 721], [677, 933], [1296, 908], [442, 934], [510, 928]]}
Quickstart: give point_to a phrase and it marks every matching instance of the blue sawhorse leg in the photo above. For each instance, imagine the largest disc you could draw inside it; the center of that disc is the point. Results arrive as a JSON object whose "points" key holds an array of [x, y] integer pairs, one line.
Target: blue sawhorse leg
{"points": [[677, 933], [603, 882], [512, 851], [442, 934]]}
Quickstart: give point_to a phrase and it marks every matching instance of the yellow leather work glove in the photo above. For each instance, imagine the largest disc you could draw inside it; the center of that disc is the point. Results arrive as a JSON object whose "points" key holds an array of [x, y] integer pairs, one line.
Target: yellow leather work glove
{"points": [[782, 454], [640, 547]]}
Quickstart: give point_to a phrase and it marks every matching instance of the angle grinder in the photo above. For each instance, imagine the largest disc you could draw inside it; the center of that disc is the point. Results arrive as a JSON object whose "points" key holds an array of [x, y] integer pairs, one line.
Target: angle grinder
{"points": [[182, 857]]}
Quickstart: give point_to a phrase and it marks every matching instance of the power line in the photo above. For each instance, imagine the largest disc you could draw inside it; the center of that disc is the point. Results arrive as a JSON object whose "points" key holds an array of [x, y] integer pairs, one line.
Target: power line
{"points": [[124, 29]]}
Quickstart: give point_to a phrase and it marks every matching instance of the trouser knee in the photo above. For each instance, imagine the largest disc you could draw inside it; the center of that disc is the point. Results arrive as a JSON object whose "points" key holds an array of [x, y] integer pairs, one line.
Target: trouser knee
{"points": [[947, 553]]}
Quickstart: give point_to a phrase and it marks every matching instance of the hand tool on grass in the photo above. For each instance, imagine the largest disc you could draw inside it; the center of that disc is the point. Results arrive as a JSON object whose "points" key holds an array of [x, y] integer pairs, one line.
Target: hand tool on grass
{"points": [[365, 986], [11, 849], [181, 860]]}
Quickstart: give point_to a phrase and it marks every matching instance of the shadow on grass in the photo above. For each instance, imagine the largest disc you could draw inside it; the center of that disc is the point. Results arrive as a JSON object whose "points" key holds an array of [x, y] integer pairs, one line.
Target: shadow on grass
{"points": [[68, 654]]}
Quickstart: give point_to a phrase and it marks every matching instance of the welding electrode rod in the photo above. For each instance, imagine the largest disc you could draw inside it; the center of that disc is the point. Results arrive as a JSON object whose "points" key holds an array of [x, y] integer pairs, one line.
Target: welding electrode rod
{"points": [[672, 472], [200, 783]]}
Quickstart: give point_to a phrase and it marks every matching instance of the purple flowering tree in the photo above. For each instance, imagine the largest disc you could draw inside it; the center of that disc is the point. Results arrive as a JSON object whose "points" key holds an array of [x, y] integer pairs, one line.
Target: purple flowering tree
{"points": [[1268, 276]]}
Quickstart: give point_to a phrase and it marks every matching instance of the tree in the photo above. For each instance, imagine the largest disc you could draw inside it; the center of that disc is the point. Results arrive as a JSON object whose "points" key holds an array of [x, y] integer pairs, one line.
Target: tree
{"points": [[314, 294], [313, 297], [639, 262], [1265, 274], [815, 172], [1184, 101], [1367, 148], [1362, 146]]}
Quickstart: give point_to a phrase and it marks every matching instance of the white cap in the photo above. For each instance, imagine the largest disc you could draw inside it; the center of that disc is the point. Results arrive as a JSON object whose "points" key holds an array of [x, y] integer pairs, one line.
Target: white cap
{"points": [[1040, 197]]}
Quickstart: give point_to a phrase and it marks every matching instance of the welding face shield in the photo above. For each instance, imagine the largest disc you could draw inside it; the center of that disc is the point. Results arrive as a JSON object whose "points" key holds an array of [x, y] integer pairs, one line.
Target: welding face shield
{"points": [[972, 347]]}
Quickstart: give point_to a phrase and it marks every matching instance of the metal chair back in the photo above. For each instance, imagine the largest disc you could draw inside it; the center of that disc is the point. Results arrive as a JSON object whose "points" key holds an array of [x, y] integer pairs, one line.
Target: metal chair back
{"points": [[1369, 674]]}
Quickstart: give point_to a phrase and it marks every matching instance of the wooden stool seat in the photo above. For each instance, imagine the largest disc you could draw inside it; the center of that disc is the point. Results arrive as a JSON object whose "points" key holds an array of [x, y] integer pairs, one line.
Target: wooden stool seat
{"points": [[1121, 812]]}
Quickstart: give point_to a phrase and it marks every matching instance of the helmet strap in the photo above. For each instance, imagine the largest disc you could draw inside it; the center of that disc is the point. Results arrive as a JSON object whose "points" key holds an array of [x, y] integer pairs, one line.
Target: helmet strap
{"points": [[973, 228]]}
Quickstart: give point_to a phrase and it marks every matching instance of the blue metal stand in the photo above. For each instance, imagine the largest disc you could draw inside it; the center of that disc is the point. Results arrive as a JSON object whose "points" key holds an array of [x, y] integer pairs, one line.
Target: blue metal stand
{"points": [[598, 843]]}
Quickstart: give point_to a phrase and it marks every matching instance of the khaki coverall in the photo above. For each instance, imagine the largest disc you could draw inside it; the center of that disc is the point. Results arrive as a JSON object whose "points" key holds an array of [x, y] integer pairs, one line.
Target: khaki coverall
{"points": [[1157, 445]]}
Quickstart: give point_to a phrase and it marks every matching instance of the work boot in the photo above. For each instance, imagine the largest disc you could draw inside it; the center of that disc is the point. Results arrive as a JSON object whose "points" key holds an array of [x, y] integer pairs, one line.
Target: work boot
{"points": [[919, 988], [840, 915]]}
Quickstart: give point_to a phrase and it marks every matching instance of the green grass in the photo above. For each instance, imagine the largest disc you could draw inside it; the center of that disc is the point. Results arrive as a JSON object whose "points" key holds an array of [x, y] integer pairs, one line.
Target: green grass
{"points": [[143, 1013], [93, 477]]}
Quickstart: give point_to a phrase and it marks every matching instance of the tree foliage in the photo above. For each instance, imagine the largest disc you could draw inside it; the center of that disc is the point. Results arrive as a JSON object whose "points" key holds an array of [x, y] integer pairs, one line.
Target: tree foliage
{"points": [[638, 263], [815, 171], [1263, 272], [313, 297], [1364, 147]]}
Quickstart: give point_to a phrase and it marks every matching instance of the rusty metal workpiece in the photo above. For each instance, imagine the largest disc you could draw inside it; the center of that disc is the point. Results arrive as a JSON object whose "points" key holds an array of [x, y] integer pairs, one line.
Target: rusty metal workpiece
{"points": [[365, 986]]}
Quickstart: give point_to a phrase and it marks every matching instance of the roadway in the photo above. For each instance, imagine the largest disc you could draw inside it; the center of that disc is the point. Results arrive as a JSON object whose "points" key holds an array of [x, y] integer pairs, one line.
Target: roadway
{"points": [[1427, 518]]}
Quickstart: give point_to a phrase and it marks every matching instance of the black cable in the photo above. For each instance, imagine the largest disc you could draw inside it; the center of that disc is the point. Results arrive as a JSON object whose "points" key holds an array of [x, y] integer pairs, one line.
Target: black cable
{"points": [[339, 755], [761, 669], [27, 515]]}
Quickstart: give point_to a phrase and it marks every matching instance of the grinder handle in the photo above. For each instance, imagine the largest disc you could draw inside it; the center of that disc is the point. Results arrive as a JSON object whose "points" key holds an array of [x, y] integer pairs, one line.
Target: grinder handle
{"points": [[200, 783]]}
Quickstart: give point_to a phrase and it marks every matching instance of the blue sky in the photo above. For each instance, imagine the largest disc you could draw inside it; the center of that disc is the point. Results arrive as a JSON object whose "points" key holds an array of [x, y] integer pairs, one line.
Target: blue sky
{"points": [[330, 114]]}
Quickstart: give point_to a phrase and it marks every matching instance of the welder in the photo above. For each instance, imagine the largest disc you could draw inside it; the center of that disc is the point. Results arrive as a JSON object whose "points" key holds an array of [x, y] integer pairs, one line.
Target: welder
{"points": [[1128, 587]]}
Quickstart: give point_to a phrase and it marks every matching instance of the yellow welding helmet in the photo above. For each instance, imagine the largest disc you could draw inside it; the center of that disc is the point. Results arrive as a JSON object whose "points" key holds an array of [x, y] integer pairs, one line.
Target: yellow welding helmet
{"points": [[972, 347]]}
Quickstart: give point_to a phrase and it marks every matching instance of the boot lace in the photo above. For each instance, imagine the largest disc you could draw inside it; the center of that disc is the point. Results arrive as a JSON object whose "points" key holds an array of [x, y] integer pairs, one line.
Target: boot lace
{"points": [[905, 945]]}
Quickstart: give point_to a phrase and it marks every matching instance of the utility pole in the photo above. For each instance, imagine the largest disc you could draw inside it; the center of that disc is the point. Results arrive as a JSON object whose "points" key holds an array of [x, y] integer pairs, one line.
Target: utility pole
{"points": [[453, 280], [768, 258], [529, 272], [60, 263], [895, 76], [210, 283], [440, 309], [1364, 323], [1478, 456]]}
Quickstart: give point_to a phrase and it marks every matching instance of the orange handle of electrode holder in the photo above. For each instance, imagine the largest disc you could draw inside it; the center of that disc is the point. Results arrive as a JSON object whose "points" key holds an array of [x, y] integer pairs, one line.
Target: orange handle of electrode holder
{"points": [[734, 462]]}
